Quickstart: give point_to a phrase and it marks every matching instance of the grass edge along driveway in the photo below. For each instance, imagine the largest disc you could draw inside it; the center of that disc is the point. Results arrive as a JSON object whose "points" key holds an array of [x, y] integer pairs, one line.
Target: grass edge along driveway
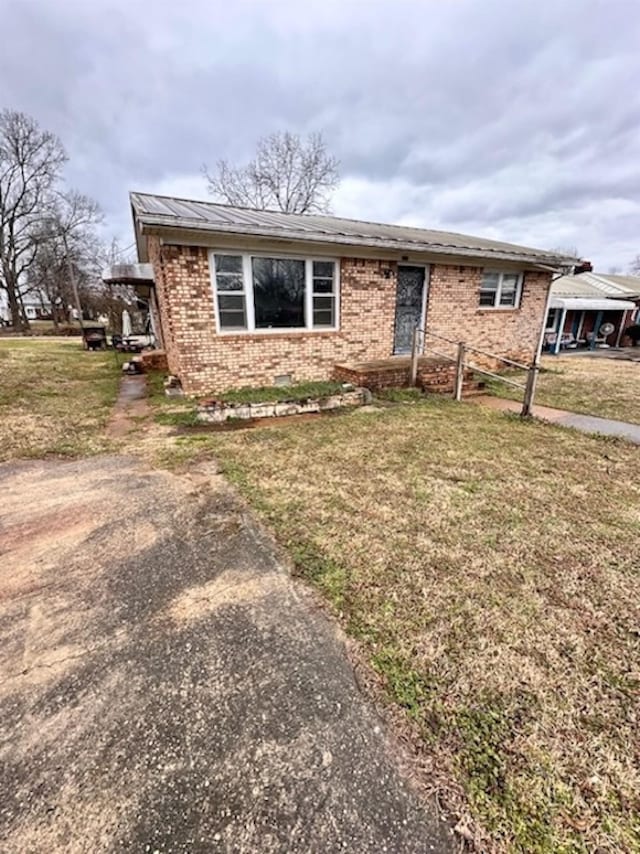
{"points": [[487, 568]]}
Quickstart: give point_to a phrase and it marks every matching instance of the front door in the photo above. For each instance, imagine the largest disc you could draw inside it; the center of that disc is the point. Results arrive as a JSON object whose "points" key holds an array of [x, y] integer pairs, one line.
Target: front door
{"points": [[409, 302]]}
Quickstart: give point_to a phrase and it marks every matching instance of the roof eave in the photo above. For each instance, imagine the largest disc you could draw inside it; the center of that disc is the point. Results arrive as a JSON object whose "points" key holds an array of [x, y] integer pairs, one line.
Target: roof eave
{"points": [[553, 263]]}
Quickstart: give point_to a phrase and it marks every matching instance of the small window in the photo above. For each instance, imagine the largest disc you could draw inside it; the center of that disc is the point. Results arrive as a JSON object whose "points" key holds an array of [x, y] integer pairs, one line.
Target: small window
{"points": [[500, 290], [552, 320], [232, 306], [323, 294]]}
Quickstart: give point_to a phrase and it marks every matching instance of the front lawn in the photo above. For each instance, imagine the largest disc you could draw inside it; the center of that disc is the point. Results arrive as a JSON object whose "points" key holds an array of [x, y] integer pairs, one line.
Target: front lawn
{"points": [[608, 388], [488, 568], [54, 397]]}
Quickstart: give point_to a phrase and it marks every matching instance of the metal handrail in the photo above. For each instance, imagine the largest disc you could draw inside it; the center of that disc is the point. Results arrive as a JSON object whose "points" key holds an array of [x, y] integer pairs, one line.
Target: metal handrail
{"points": [[435, 335], [462, 364], [443, 355], [497, 376], [500, 358], [427, 333]]}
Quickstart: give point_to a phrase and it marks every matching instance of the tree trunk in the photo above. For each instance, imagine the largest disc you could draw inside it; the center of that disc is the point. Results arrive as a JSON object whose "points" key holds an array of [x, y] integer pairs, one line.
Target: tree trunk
{"points": [[18, 317], [24, 321]]}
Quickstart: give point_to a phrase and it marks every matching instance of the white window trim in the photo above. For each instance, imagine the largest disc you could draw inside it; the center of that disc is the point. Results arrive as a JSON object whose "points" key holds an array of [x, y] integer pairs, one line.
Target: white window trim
{"points": [[551, 328], [496, 306], [247, 281]]}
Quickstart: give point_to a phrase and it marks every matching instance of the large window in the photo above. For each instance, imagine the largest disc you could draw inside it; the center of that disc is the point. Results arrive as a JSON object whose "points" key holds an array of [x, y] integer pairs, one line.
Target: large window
{"points": [[262, 293], [278, 292], [500, 290]]}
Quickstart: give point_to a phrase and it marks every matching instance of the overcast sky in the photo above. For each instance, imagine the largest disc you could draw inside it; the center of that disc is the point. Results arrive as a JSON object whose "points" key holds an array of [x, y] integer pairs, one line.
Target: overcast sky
{"points": [[506, 118]]}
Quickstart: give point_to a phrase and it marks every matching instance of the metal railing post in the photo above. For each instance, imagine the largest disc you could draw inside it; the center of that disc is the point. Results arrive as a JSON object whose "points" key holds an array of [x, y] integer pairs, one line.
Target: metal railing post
{"points": [[413, 379], [457, 391], [530, 390]]}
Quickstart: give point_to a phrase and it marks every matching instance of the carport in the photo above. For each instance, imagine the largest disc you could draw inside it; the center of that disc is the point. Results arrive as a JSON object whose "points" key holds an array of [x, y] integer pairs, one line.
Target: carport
{"points": [[589, 322]]}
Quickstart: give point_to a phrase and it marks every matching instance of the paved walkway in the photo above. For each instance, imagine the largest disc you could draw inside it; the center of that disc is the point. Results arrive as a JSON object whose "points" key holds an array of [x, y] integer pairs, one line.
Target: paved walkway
{"points": [[130, 406], [586, 423], [166, 687]]}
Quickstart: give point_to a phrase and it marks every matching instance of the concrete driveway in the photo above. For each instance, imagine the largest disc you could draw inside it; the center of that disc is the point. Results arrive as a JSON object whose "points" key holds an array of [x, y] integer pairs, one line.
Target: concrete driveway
{"points": [[166, 687]]}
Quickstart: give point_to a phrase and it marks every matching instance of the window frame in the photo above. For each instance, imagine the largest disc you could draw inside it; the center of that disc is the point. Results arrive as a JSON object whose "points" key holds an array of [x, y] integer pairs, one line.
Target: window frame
{"points": [[248, 291], [498, 293], [553, 326]]}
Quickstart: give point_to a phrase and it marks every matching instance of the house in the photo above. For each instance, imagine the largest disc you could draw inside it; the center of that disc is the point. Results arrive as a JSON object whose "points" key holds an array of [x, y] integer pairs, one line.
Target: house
{"points": [[242, 297], [35, 303], [591, 310]]}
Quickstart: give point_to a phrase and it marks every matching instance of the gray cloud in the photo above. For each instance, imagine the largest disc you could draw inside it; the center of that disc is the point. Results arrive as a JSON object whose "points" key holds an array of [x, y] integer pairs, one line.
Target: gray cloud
{"points": [[516, 120]]}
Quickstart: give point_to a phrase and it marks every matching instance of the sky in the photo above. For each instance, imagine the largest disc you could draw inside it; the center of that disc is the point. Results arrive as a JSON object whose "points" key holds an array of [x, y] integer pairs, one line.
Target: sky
{"points": [[509, 119]]}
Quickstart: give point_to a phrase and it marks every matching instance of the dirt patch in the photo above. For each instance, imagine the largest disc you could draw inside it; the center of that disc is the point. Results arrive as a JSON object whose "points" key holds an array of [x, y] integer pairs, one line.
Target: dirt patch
{"points": [[229, 588]]}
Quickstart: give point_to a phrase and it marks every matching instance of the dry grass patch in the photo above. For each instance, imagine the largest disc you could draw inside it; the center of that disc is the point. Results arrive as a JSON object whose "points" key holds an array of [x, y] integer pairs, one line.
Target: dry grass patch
{"points": [[489, 569], [54, 398], [607, 388]]}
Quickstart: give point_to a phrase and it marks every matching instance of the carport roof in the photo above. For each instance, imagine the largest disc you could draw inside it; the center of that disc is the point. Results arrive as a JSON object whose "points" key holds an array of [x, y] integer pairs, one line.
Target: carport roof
{"points": [[588, 304], [161, 212]]}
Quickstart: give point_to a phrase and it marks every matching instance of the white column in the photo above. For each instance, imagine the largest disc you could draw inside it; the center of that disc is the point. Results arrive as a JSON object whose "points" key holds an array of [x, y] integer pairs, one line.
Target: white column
{"points": [[563, 317]]}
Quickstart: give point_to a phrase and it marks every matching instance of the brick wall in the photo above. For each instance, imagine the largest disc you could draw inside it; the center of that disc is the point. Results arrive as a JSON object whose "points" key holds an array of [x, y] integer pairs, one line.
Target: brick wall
{"points": [[207, 362], [453, 311]]}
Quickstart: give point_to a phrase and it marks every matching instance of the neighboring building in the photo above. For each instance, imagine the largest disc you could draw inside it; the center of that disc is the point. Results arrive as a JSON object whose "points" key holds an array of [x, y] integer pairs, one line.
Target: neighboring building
{"points": [[36, 306], [591, 310], [243, 297]]}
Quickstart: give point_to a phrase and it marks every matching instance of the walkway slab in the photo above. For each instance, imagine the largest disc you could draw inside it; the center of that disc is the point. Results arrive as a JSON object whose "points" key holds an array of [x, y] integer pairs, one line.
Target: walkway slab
{"points": [[166, 687], [585, 423]]}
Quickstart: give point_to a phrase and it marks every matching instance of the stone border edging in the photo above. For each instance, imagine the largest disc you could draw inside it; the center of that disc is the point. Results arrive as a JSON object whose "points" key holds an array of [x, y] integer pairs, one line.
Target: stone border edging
{"points": [[218, 412]]}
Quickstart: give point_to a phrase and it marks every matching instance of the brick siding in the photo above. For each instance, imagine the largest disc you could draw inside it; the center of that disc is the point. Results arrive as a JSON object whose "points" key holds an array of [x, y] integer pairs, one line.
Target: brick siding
{"points": [[453, 311], [207, 362]]}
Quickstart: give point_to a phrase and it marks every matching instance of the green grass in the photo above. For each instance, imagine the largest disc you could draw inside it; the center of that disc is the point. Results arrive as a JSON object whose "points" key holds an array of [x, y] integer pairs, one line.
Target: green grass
{"points": [[594, 386], [400, 395], [487, 567], [277, 394], [55, 398]]}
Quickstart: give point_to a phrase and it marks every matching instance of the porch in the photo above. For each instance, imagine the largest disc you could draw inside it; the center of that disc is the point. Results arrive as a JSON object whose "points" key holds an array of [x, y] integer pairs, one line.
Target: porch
{"points": [[435, 374], [579, 323]]}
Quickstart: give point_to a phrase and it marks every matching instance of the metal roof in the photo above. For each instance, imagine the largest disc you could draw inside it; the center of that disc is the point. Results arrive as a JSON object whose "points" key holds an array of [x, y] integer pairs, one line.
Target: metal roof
{"points": [[596, 285], [627, 284], [128, 274], [167, 212]]}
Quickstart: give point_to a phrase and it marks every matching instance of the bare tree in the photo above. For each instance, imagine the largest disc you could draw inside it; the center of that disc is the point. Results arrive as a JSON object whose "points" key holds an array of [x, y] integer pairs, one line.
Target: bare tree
{"points": [[67, 252], [634, 266], [287, 174], [31, 160]]}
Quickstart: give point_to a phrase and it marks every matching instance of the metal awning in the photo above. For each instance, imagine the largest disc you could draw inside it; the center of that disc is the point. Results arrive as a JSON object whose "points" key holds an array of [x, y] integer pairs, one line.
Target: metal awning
{"points": [[587, 304], [128, 274]]}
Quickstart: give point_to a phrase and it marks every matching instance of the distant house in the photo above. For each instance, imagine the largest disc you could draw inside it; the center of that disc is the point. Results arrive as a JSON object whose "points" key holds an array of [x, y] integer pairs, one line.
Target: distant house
{"points": [[244, 297], [36, 306], [591, 310]]}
